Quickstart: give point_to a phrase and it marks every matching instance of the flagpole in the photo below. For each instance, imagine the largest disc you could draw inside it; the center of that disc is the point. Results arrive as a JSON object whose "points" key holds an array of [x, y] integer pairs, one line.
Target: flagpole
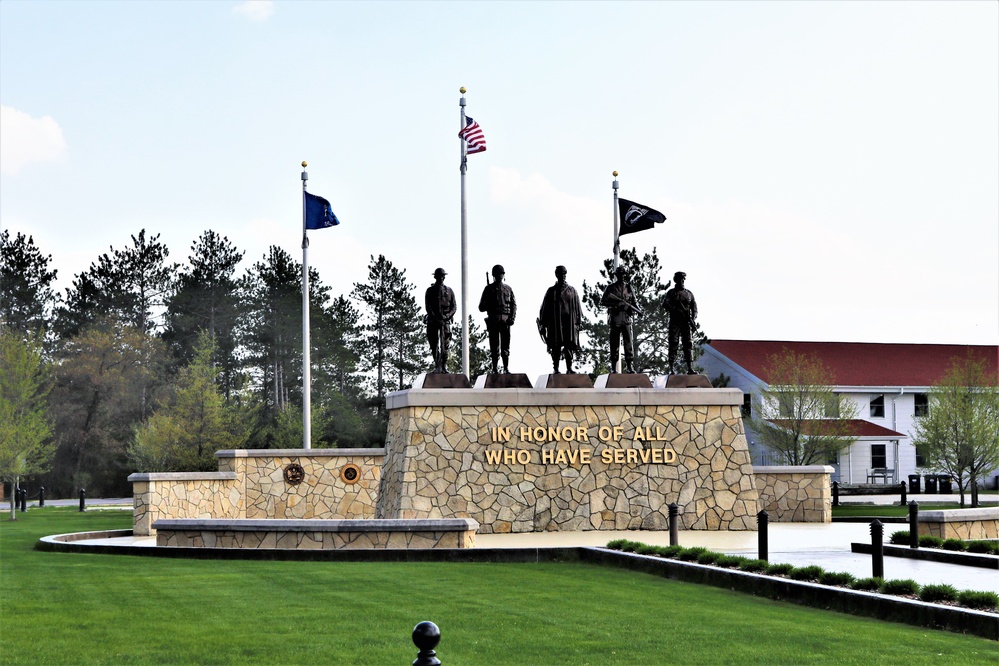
{"points": [[617, 249], [464, 245], [306, 355], [617, 239]]}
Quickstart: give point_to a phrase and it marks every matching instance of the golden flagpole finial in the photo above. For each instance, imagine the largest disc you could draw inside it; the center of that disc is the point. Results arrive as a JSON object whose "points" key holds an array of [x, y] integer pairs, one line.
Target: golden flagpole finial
{"points": [[462, 90], [615, 174], [304, 164]]}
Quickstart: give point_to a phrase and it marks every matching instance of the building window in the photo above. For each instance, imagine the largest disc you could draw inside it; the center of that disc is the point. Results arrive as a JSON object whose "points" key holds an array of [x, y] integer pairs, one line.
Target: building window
{"points": [[879, 456], [878, 407], [922, 405], [831, 408], [920, 459], [747, 406]]}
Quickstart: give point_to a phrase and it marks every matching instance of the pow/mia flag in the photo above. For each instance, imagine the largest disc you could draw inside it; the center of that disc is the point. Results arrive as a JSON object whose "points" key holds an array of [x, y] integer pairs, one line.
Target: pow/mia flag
{"points": [[636, 217]]}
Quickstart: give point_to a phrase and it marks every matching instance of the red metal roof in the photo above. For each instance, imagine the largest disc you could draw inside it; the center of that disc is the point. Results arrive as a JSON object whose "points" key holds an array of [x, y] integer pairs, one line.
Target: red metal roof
{"points": [[855, 428], [862, 363]]}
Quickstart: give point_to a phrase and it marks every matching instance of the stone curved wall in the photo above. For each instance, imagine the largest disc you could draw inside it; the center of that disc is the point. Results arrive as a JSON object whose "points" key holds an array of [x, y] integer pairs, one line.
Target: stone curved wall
{"points": [[441, 459]]}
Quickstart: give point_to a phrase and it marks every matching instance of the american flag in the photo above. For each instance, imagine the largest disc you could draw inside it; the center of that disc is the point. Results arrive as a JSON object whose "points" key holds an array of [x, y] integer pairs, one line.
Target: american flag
{"points": [[473, 135]]}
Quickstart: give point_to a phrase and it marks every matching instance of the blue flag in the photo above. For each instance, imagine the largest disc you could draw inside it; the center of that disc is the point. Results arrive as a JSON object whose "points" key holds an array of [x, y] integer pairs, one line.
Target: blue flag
{"points": [[318, 213]]}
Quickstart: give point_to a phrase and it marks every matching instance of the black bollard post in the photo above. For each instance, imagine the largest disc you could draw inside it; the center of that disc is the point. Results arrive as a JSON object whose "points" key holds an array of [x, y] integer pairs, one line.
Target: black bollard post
{"points": [[83, 499], [913, 524], [426, 636], [878, 549], [41, 496], [902, 503], [762, 523], [674, 527], [23, 500], [835, 489]]}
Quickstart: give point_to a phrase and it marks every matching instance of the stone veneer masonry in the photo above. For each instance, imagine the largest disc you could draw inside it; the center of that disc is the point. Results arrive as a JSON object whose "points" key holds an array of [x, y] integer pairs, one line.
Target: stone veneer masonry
{"points": [[795, 494], [251, 484], [436, 464], [966, 524]]}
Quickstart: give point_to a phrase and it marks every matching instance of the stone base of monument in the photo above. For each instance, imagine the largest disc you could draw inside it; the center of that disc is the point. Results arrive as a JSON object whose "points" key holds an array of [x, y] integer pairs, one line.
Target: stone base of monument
{"points": [[316, 534], [441, 380], [508, 380], [688, 381], [567, 381], [623, 380]]}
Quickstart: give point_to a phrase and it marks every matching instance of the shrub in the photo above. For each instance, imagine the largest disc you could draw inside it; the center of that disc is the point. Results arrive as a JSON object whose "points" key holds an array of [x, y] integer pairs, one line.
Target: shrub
{"points": [[730, 561], [938, 593], [647, 549], [809, 573], [690, 554], [899, 538], [840, 578], [900, 587], [779, 569], [869, 584], [954, 544], [616, 544], [755, 566], [978, 599], [987, 547], [669, 551], [708, 557], [630, 546], [927, 541]]}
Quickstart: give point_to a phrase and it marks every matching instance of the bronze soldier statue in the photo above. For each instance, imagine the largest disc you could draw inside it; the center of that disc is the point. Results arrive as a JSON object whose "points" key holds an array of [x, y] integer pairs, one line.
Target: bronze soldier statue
{"points": [[619, 299], [682, 308], [441, 307], [559, 321], [501, 310]]}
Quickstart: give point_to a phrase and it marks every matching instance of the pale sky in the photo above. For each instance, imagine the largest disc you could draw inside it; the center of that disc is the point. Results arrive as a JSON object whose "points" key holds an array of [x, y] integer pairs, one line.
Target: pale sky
{"points": [[829, 170]]}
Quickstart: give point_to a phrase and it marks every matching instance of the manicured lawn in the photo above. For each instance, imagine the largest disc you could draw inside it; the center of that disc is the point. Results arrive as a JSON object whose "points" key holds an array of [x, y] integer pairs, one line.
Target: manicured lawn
{"points": [[844, 510], [63, 608]]}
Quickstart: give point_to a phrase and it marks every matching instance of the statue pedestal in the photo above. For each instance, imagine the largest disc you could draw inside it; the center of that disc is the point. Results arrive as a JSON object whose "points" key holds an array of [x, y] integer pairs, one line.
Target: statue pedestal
{"points": [[619, 380], [441, 380], [687, 381], [516, 380], [572, 381]]}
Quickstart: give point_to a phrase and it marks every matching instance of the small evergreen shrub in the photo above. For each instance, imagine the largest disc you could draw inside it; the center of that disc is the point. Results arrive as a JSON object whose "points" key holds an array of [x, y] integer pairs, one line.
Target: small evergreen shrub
{"points": [[839, 578], [647, 549], [868, 584], [809, 573], [779, 569], [954, 544], [900, 587], [755, 566], [978, 599], [616, 544], [669, 551], [690, 554], [938, 593], [899, 538], [730, 561], [630, 546], [986, 547], [927, 541], [708, 557]]}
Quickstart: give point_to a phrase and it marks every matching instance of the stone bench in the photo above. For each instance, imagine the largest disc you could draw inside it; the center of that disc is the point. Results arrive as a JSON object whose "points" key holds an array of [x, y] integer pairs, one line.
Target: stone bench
{"points": [[316, 534], [966, 524]]}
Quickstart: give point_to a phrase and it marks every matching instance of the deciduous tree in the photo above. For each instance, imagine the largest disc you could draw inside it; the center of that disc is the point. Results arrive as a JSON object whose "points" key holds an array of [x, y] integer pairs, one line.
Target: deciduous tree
{"points": [[797, 415], [960, 435]]}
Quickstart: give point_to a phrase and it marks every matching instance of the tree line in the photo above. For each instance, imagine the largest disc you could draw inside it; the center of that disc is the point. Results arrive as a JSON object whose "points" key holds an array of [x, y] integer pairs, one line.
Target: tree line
{"points": [[146, 364]]}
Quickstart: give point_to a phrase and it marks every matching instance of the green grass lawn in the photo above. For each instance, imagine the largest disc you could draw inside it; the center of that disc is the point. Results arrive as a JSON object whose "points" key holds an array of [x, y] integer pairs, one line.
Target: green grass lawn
{"points": [[67, 608], [879, 510]]}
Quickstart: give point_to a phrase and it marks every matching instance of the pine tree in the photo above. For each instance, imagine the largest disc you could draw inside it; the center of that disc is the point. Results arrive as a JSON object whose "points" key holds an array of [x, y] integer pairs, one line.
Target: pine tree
{"points": [[27, 299]]}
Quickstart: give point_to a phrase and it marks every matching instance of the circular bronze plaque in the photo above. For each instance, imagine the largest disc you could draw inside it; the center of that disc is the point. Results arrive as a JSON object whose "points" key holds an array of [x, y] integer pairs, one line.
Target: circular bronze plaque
{"points": [[294, 474], [350, 473]]}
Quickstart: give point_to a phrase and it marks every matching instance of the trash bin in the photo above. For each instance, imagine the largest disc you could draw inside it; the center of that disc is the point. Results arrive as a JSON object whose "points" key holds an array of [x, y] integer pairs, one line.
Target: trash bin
{"points": [[945, 487], [914, 484], [931, 484]]}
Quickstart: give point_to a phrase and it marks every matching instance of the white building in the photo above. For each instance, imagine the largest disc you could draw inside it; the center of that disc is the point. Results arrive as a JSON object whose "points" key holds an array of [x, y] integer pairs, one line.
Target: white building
{"points": [[889, 383]]}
